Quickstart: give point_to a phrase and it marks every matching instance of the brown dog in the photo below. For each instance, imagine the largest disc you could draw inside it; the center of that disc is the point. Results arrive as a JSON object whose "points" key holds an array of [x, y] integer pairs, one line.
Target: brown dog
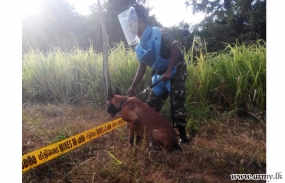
{"points": [[142, 118]]}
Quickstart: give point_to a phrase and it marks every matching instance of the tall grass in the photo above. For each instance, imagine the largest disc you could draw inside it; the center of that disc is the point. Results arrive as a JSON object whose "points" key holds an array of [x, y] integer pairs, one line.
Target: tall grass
{"points": [[234, 79], [60, 77], [76, 77]]}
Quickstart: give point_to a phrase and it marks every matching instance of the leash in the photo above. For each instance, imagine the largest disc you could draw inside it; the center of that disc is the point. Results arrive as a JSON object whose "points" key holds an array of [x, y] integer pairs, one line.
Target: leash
{"points": [[149, 87], [171, 108]]}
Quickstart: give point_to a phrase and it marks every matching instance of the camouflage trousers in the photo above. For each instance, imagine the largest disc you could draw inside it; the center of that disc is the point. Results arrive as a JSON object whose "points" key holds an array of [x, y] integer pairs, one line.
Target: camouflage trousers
{"points": [[177, 96]]}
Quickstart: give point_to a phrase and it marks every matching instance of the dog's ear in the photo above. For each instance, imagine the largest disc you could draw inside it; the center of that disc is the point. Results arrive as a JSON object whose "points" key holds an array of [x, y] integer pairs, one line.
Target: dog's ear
{"points": [[117, 91], [110, 95]]}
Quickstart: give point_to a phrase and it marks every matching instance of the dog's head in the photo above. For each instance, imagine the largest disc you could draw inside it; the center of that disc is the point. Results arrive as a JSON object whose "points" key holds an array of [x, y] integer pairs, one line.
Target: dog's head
{"points": [[113, 102]]}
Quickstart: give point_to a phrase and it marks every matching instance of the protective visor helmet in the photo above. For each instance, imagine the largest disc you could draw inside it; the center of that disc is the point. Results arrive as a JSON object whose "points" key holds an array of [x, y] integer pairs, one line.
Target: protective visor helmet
{"points": [[129, 23]]}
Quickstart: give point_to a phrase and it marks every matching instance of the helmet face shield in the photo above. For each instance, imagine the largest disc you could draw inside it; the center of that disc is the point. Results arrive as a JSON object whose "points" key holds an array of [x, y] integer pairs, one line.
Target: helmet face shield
{"points": [[129, 23]]}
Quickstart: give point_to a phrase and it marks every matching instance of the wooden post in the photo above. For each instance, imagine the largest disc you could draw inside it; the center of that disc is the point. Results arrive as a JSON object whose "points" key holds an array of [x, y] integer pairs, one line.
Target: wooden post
{"points": [[105, 53]]}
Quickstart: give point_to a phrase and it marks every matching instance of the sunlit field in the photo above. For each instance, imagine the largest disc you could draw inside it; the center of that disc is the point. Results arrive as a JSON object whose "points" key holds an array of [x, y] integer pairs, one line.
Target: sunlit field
{"points": [[63, 95], [234, 79]]}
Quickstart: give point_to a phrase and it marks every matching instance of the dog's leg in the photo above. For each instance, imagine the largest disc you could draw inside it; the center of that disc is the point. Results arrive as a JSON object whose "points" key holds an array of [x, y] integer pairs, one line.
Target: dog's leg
{"points": [[138, 139], [132, 120], [166, 139], [138, 133], [131, 136], [132, 129], [178, 147], [154, 145]]}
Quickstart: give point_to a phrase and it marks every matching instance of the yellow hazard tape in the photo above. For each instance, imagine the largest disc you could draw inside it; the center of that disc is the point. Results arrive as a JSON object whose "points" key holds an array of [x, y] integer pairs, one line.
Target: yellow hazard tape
{"points": [[52, 151]]}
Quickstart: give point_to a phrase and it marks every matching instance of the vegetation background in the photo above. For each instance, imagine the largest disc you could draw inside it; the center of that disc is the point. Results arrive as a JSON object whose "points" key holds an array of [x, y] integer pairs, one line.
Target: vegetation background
{"points": [[60, 41], [60, 26], [226, 92]]}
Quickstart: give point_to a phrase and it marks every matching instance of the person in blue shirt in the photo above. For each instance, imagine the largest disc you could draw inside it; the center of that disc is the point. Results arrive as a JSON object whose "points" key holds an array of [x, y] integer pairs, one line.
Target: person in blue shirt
{"points": [[157, 48]]}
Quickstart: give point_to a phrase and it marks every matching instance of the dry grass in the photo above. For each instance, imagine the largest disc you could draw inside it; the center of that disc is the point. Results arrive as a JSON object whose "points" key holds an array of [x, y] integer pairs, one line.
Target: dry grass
{"points": [[222, 146]]}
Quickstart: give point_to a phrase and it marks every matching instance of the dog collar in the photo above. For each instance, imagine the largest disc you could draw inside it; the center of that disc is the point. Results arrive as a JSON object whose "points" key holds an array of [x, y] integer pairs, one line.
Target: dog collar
{"points": [[123, 101]]}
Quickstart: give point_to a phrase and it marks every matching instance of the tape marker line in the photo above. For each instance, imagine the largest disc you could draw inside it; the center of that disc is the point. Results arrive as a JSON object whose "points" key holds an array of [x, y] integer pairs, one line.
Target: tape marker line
{"points": [[52, 151]]}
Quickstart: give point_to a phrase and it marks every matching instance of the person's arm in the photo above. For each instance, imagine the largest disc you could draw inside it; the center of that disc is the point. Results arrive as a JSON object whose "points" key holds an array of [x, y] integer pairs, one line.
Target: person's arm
{"points": [[170, 50], [139, 75], [172, 62]]}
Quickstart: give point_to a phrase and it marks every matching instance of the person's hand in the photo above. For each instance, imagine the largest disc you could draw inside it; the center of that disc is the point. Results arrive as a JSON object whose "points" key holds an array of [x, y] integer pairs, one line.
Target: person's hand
{"points": [[131, 92], [166, 76]]}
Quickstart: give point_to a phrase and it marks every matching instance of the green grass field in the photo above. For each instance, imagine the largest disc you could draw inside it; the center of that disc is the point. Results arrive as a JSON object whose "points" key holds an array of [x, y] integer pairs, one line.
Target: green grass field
{"points": [[233, 80], [63, 95]]}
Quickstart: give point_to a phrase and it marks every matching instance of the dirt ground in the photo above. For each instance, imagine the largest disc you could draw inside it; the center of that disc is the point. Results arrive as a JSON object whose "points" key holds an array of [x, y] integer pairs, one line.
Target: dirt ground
{"points": [[223, 145]]}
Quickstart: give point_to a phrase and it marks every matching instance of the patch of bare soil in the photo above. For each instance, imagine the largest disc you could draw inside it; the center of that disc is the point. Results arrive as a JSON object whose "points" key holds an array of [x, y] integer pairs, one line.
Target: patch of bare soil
{"points": [[223, 145]]}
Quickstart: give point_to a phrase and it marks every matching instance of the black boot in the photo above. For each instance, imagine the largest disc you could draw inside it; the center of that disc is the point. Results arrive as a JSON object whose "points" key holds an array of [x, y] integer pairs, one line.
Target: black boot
{"points": [[183, 135]]}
